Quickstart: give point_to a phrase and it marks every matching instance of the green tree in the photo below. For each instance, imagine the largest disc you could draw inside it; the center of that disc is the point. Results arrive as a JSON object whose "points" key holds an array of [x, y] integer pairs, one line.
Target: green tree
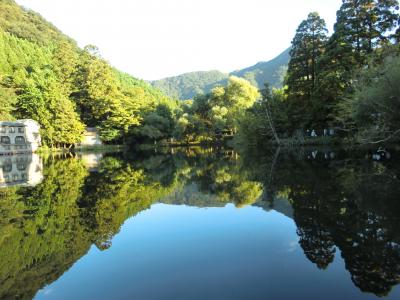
{"points": [[227, 104], [68, 128], [8, 100], [157, 125], [308, 46], [360, 28], [65, 61], [266, 120], [101, 98], [373, 108], [41, 97]]}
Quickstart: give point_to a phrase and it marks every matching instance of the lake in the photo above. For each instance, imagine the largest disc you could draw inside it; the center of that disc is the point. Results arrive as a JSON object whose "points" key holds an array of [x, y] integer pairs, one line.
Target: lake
{"points": [[193, 223]]}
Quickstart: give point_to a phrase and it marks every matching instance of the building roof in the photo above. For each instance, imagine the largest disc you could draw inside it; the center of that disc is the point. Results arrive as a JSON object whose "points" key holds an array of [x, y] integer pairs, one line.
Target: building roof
{"points": [[11, 123], [23, 122], [91, 129]]}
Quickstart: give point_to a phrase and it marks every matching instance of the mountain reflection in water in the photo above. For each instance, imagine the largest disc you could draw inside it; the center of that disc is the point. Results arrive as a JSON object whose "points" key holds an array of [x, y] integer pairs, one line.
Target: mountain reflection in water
{"points": [[341, 203]]}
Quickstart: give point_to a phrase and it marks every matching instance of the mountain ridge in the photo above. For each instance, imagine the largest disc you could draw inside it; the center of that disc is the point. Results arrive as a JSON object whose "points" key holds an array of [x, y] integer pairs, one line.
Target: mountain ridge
{"points": [[187, 85]]}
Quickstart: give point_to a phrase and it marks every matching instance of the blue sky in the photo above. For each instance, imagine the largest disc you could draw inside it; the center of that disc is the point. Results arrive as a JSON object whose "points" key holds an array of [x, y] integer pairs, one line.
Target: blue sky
{"points": [[152, 39]]}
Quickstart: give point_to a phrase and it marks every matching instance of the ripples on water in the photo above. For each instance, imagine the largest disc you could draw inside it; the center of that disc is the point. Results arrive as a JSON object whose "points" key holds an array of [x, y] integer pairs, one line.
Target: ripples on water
{"points": [[201, 224]]}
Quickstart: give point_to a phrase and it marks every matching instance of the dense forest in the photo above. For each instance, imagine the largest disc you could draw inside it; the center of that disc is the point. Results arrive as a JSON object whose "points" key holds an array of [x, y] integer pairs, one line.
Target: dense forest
{"points": [[46, 77], [344, 85]]}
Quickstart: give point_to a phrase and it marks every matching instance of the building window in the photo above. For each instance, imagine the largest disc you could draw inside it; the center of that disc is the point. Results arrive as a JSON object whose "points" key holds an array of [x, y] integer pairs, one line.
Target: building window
{"points": [[3, 129], [11, 129], [21, 166], [7, 168], [21, 129], [5, 140], [19, 140]]}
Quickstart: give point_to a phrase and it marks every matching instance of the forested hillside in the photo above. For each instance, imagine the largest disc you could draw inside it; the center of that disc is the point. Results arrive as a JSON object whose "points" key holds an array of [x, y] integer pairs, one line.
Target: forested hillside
{"points": [[46, 77], [27, 24], [186, 86], [272, 71]]}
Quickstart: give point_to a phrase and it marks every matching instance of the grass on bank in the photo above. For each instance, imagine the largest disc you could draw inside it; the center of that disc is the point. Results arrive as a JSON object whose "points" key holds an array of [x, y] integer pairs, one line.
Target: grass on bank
{"points": [[94, 148]]}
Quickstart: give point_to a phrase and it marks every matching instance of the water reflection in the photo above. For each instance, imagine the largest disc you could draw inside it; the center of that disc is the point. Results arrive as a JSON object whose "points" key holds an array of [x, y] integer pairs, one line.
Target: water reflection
{"points": [[21, 170], [347, 205], [351, 204]]}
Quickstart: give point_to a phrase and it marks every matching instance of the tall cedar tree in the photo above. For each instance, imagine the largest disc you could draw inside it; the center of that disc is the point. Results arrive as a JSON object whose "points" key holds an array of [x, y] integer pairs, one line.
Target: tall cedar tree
{"points": [[361, 27], [307, 47]]}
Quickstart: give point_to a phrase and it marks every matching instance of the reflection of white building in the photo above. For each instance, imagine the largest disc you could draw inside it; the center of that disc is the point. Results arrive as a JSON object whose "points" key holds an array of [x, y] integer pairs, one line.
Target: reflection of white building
{"points": [[20, 136], [91, 160], [25, 170]]}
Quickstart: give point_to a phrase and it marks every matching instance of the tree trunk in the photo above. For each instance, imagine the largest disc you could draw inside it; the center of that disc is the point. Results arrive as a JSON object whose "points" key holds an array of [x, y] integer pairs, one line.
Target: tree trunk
{"points": [[271, 124]]}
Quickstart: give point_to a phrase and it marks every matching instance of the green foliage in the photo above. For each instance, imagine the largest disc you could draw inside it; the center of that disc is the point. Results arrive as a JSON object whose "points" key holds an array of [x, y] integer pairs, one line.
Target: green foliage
{"points": [[272, 71], [218, 112], [33, 89], [26, 24], [16, 53], [8, 100], [257, 125], [360, 29], [46, 77], [374, 107], [65, 63], [41, 97], [307, 48], [228, 104], [158, 124], [186, 86], [323, 83]]}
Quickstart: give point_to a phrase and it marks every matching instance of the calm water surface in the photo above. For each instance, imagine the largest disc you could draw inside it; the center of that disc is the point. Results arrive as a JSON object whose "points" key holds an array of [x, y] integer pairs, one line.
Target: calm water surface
{"points": [[201, 224]]}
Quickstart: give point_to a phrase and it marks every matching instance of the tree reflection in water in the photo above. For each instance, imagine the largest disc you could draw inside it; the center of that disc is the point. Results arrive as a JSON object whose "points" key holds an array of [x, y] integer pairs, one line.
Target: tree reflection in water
{"points": [[340, 204]]}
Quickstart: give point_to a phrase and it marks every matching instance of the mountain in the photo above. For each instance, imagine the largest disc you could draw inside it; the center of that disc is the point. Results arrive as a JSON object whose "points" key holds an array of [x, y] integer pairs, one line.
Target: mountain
{"points": [[29, 25], [271, 71], [187, 85]]}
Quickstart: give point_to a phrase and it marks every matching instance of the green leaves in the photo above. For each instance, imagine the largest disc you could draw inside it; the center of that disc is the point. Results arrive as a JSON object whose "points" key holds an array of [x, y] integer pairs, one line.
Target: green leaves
{"points": [[374, 107], [321, 73], [45, 76], [8, 100], [308, 45], [41, 97]]}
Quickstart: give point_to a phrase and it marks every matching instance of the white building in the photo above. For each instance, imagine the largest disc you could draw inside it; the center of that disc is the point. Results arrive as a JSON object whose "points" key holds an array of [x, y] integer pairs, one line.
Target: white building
{"points": [[91, 137], [21, 136], [22, 170]]}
